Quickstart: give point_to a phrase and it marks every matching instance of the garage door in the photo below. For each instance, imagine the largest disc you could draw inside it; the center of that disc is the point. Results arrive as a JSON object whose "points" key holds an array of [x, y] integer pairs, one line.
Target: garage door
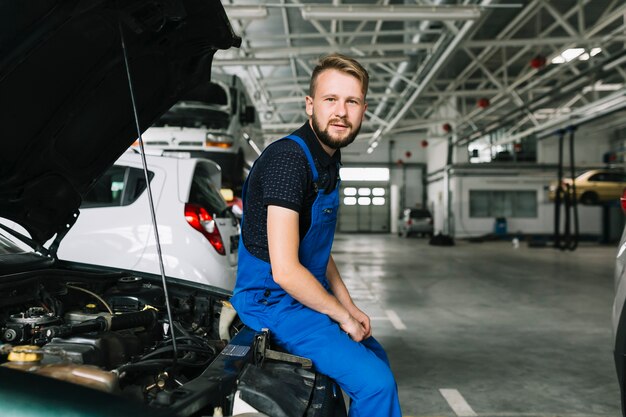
{"points": [[364, 208]]}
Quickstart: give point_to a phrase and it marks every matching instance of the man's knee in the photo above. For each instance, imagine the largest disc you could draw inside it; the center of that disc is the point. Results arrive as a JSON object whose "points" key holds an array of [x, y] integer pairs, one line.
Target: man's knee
{"points": [[380, 381]]}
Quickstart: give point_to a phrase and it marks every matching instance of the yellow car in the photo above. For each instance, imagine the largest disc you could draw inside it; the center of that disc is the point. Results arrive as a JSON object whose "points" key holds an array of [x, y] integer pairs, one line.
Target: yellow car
{"points": [[595, 186]]}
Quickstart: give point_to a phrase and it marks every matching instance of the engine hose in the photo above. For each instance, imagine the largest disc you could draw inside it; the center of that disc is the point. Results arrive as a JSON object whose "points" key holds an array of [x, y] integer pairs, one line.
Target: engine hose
{"points": [[168, 349], [146, 318], [158, 364]]}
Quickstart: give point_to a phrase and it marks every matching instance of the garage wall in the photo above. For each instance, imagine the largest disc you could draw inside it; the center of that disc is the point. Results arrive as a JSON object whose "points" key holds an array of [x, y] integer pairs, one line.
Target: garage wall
{"points": [[589, 217], [591, 141], [463, 225], [406, 178]]}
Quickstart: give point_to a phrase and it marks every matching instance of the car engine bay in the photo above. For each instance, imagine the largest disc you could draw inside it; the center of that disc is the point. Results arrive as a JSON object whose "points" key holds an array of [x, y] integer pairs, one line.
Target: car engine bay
{"points": [[109, 333]]}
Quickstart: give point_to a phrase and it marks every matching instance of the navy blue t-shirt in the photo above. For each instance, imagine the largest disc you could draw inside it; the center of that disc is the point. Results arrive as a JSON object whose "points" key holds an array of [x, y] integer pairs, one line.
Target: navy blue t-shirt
{"points": [[282, 177]]}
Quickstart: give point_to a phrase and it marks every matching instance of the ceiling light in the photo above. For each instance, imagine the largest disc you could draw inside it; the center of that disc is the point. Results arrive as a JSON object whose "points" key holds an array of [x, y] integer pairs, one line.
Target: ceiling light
{"points": [[395, 12], [572, 53], [370, 150], [245, 12]]}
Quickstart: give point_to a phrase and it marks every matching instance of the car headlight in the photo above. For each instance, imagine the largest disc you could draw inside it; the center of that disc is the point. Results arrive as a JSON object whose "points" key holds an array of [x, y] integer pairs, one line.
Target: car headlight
{"points": [[218, 140]]}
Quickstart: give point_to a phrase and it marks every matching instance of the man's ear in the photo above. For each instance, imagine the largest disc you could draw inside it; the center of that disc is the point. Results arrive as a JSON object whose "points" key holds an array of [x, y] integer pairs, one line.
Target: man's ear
{"points": [[309, 105]]}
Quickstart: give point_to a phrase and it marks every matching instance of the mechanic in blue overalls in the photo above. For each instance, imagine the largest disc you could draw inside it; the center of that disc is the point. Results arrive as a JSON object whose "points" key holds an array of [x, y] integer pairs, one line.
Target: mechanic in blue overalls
{"points": [[287, 280]]}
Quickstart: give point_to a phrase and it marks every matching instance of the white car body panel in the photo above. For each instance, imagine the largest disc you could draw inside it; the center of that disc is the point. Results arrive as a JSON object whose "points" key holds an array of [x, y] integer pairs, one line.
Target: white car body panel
{"points": [[125, 234]]}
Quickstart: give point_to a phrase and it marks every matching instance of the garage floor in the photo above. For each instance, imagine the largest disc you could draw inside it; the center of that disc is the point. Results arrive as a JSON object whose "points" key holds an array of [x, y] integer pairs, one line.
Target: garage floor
{"points": [[485, 329]]}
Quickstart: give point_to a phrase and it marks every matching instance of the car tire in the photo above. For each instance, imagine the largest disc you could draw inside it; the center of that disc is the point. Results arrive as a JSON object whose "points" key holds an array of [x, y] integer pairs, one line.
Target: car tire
{"points": [[589, 198]]}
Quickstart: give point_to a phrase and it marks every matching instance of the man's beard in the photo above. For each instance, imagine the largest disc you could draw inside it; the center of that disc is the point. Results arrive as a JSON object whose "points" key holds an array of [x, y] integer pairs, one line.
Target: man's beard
{"points": [[327, 140]]}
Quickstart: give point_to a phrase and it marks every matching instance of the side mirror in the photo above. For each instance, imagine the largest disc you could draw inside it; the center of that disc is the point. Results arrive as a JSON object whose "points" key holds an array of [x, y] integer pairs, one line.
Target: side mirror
{"points": [[249, 115]]}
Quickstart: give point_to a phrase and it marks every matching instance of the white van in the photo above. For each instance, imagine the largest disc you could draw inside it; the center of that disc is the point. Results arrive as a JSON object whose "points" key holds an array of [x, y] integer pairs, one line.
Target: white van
{"points": [[216, 121]]}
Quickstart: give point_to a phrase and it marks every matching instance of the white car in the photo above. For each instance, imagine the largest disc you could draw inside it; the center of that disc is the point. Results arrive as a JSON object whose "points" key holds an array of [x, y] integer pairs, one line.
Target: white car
{"points": [[199, 234]]}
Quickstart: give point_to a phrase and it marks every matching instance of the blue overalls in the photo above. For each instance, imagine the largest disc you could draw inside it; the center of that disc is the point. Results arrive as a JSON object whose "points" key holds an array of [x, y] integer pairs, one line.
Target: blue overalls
{"points": [[361, 369]]}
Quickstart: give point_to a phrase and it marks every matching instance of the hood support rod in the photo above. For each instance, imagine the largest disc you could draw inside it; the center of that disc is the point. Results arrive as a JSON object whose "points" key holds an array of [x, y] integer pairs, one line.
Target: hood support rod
{"points": [[149, 189]]}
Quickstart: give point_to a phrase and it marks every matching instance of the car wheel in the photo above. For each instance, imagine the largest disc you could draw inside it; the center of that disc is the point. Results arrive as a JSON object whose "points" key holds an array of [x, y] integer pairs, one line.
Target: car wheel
{"points": [[589, 198]]}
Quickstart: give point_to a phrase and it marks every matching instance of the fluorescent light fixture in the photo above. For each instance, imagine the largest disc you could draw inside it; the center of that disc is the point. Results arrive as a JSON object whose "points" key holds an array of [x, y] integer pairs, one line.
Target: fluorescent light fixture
{"points": [[573, 53], [364, 174], [370, 150], [245, 12], [374, 145], [595, 51], [362, 12], [570, 54]]}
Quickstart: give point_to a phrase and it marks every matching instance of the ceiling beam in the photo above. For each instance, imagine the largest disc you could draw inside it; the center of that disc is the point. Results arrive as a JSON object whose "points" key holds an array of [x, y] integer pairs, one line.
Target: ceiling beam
{"points": [[273, 52], [394, 12], [580, 40], [277, 62]]}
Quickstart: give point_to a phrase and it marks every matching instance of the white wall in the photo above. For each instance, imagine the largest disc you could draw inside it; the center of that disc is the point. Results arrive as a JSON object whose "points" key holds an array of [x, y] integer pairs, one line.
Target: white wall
{"points": [[464, 225], [590, 141]]}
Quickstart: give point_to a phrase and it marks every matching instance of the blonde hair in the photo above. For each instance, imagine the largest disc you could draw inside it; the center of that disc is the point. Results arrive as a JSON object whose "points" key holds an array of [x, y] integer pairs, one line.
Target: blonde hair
{"points": [[343, 64]]}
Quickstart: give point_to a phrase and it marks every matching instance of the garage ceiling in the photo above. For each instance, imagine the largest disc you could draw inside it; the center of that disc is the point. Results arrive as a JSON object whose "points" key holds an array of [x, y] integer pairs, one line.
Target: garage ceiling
{"points": [[476, 65]]}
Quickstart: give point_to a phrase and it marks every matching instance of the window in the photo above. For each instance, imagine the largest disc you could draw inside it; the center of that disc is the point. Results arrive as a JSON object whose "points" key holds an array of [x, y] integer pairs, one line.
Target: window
{"points": [[119, 186], [608, 176], [364, 174], [349, 201], [378, 201], [378, 192], [349, 191], [491, 203], [365, 191], [365, 201], [204, 193]]}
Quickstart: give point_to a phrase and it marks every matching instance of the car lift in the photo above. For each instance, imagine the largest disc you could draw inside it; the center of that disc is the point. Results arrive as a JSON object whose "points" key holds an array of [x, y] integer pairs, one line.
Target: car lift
{"points": [[566, 195]]}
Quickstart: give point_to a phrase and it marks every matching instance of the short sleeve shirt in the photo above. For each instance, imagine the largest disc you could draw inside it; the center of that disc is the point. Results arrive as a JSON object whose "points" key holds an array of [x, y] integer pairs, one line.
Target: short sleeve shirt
{"points": [[282, 177]]}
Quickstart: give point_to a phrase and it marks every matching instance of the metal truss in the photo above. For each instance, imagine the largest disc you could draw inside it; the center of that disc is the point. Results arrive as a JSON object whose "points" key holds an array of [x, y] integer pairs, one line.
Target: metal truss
{"points": [[428, 72]]}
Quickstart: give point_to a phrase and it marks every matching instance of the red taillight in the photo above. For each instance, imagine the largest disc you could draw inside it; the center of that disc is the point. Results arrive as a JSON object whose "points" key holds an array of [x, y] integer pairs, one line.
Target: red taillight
{"points": [[409, 222], [201, 220], [623, 200]]}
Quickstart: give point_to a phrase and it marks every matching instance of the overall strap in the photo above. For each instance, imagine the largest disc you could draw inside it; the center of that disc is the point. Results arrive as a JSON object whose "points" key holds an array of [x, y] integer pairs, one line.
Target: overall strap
{"points": [[307, 152]]}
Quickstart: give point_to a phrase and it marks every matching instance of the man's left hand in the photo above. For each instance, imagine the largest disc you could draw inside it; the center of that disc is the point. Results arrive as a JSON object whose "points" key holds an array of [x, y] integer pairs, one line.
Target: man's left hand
{"points": [[362, 318]]}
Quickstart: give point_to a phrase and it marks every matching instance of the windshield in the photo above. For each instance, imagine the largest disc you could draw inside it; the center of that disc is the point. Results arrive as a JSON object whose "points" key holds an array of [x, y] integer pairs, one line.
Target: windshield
{"points": [[10, 244], [194, 116], [204, 193], [419, 213], [199, 109]]}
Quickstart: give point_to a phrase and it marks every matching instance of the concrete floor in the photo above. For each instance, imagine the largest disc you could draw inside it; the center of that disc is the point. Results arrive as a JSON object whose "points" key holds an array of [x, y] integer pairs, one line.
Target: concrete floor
{"points": [[516, 332]]}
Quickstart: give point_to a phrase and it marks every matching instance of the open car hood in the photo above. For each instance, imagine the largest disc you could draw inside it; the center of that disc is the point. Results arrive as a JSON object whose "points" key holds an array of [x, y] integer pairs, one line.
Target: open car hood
{"points": [[65, 105]]}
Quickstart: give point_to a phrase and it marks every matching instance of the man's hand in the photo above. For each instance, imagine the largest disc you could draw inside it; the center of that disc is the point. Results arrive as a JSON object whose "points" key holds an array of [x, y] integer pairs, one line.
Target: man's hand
{"points": [[355, 330], [362, 318]]}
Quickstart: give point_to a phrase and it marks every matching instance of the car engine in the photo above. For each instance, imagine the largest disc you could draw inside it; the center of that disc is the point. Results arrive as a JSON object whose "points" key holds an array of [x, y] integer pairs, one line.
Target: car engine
{"points": [[107, 331]]}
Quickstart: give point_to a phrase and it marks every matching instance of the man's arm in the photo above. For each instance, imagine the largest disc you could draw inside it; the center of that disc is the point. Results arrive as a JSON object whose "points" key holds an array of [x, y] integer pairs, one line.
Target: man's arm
{"points": [[283, 240], [343, 295]]}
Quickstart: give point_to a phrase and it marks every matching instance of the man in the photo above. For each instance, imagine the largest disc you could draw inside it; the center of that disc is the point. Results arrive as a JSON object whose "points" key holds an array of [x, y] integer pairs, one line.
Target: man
{"points": [[287, 280]]}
